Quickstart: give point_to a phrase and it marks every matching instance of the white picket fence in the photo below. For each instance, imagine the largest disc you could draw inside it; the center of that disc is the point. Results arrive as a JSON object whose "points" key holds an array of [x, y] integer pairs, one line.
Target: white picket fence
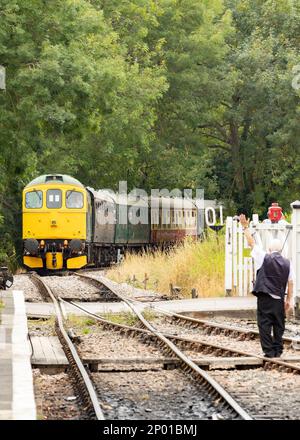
{"points": [[240, 270]]}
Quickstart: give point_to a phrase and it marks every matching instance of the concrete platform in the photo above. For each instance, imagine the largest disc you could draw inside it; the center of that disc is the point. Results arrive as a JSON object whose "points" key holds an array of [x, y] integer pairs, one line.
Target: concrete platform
{"points": [[199, 307], [16, 383]]}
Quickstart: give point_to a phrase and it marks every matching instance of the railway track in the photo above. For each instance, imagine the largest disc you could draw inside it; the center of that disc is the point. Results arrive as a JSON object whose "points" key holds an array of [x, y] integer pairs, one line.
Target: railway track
{"points": [[253, 396], [208, 327], [250, 396], [203, 347], [212, 328], [209, 387], [84, 384], [248, 399]]}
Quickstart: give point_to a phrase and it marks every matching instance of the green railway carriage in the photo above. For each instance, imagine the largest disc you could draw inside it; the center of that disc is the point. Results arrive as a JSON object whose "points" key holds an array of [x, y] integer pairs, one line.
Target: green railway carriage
{"points": [[136, 231], [120, 222], [68, 226]]}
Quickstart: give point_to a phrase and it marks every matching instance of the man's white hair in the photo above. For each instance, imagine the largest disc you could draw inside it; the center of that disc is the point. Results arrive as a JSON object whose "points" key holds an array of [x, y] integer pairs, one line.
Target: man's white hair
{"points": [[275, 245]]}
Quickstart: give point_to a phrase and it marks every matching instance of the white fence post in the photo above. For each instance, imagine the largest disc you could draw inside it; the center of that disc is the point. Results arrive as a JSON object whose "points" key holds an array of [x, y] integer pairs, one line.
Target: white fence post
{"points": [[240, 258], [296, 246], [234, 253], [228, 256]]}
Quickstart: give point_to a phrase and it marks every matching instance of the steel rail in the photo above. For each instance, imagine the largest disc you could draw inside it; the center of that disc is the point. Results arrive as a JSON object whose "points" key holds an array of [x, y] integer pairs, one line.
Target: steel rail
{"points": [[268, 362], [188, 365], [71, 353], [222, 351], [252, 333], [234, 330], [182, 357], [133, 330], [194, 367], [140, 331]]}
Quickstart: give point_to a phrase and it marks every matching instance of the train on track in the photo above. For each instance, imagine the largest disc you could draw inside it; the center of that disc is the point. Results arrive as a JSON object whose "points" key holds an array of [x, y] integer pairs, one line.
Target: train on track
{"points": [[69, 226]]}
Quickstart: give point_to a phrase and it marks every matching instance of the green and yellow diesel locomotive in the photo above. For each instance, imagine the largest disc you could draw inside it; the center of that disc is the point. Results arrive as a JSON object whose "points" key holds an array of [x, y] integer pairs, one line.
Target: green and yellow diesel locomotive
{"points": [[68, 226], [55, 228]]}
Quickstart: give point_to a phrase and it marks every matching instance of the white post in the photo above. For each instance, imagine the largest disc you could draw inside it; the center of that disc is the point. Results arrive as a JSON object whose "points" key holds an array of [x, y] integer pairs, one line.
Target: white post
{"points": [[234, 244], [245, 288], [296, 246], [240, 258], [250, 262], [228, 256], [255, 219]]}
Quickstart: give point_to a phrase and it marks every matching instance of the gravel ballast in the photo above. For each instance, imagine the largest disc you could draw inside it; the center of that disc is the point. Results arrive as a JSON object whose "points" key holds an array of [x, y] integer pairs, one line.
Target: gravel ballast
{"points": [[56, 397], [263, 393], [159, 395]]}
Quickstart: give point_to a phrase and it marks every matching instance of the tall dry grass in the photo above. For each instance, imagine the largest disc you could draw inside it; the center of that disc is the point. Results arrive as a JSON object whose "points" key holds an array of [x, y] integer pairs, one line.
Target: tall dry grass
{"points": [[198, 265]]}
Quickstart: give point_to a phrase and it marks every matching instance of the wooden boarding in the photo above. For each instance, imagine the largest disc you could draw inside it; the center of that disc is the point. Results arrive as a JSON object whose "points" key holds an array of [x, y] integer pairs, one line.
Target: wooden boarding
{"points": [[47, 350], [208, 362]]}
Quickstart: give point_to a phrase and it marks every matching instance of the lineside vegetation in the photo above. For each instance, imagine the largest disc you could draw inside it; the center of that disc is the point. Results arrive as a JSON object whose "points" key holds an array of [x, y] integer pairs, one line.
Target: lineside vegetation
{"points": [[189, 265]]}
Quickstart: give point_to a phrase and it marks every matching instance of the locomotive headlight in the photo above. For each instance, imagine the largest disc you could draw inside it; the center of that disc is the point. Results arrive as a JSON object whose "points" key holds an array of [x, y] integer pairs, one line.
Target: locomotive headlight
{"points": [[75, 245], [31, 245]]}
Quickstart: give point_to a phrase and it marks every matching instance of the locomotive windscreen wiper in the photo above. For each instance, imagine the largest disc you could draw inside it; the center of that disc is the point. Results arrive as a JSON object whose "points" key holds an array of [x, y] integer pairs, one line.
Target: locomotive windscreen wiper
{"points": [[38, 193], [70, 192]]}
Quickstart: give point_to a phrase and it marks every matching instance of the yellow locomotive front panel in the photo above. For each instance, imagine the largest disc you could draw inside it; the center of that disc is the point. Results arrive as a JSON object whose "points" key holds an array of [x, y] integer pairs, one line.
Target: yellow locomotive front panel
{"points": [[54, 223]]}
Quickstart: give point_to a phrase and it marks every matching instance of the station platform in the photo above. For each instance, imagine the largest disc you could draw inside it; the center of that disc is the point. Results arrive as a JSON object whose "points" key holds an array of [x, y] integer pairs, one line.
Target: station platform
{"points": [[200, 307], [16, 383]]}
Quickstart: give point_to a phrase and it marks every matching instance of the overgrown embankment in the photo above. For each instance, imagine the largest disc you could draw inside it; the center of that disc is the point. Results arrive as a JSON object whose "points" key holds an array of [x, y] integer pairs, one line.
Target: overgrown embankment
{"points": [[198, 265]]}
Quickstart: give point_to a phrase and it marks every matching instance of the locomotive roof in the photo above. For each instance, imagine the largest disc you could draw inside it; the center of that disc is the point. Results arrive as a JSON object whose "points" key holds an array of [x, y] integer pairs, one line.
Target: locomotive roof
{"points": [[55, 178]]}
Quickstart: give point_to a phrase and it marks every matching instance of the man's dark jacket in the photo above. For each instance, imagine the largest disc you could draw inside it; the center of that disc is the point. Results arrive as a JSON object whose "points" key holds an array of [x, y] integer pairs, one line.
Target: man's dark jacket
{"points": [[273, 275]]}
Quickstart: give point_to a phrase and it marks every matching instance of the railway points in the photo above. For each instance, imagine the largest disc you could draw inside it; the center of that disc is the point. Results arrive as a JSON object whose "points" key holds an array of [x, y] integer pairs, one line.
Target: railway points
{"points": [[228, 408], [214, 347]]}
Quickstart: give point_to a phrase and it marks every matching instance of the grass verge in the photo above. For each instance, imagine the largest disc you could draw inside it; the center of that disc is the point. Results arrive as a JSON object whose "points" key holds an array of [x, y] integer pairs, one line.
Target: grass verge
{"points": [[198, 265]]}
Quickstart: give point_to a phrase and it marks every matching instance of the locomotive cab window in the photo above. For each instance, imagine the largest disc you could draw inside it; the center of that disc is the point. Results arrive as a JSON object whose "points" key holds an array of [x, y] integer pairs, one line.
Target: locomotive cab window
{"points": [[74, 199], [54, 198], [34, 200]]}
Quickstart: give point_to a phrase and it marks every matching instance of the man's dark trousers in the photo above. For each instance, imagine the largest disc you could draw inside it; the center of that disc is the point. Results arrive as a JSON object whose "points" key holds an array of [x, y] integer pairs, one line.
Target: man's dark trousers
{"points": [[270, 316]]}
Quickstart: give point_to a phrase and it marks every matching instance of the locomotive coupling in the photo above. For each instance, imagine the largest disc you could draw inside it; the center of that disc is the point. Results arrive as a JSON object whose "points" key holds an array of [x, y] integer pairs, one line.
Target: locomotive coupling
{"points": [[6, 278]]}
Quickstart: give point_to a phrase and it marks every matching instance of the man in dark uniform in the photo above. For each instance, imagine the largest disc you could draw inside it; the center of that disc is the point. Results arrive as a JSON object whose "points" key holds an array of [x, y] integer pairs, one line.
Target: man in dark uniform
{"points": [[6, 278], [274, 274]]}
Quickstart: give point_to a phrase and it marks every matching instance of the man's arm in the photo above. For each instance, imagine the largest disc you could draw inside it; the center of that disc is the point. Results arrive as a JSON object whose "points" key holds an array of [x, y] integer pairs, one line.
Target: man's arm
{"points": [[245, 223]]}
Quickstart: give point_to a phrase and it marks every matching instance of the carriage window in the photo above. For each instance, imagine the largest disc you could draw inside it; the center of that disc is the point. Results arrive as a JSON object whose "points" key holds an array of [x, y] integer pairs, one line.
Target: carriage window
{"points": [[54, 198], [74, 199], [34, 200]]}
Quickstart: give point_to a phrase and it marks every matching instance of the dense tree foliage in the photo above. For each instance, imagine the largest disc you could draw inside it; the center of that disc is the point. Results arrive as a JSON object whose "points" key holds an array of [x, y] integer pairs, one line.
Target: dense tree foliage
{"points": [[161, 93]]}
